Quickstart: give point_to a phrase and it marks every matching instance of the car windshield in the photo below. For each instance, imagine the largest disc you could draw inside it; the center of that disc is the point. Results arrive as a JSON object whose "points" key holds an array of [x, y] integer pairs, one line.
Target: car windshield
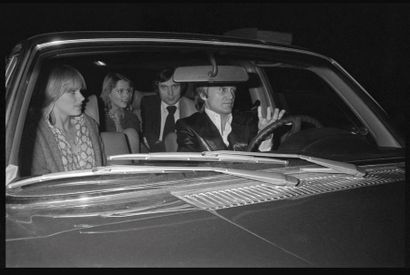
{"points": [[324, 118]]}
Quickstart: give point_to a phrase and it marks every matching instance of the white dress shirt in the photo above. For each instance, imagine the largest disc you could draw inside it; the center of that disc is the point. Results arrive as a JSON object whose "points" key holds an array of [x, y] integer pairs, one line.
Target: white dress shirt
{"points": [[164, 114], [216, 120]]}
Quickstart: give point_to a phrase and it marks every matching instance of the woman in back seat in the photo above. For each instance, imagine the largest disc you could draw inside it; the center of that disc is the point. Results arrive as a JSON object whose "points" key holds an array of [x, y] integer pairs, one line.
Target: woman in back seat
{"points": [[116, 94]]}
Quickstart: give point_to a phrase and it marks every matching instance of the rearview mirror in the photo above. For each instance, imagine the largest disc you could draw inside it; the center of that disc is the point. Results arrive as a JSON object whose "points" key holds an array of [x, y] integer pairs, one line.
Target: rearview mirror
{"points": [[204, 74]]}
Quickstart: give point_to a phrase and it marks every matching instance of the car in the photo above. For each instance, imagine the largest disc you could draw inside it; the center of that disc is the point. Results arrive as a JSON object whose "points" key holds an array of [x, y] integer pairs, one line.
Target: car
{"points": [[330, 193]]}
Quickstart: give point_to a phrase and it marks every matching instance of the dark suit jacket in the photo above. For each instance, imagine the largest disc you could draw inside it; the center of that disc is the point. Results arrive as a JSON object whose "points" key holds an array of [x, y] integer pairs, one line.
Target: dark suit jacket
{"points": [[151, 118], [197, 133]]}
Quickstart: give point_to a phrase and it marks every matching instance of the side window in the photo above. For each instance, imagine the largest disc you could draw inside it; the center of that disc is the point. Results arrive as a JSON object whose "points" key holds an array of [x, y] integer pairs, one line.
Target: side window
{"points": [[302, 92], [243, 99], [33, 117]]}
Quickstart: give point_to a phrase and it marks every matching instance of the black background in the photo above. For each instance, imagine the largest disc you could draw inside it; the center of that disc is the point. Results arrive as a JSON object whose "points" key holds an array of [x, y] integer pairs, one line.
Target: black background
{"points": [[368, 40]]}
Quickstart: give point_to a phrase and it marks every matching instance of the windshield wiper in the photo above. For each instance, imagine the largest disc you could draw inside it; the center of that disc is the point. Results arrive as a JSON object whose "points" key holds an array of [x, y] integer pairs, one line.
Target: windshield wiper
{"points": [[221, 156], [242, 156], [338, 166], [231, 156], [268, 177]]}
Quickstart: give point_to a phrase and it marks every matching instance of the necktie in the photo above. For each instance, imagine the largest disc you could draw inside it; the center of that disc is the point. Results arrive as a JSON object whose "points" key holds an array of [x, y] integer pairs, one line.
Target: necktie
{"points": [[170, 121]]}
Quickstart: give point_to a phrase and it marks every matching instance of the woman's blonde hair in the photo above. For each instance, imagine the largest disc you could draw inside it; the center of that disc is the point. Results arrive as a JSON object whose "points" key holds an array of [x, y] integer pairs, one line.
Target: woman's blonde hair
{"points": [[61, 77], [199, 102], [110, 80]]}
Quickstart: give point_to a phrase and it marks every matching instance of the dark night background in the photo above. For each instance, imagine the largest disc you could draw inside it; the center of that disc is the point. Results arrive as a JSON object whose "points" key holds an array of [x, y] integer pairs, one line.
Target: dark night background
{"points": [[370, 40], [367, 39]]}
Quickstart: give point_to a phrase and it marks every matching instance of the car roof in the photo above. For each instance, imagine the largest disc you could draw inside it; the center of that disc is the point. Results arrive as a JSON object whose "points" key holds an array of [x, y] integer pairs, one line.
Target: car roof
{"points": [[49, 38], [44, 37]]}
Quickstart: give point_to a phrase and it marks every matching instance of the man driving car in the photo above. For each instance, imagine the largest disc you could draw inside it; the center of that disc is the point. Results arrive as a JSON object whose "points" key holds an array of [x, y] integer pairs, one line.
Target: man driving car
{"points": [[216, 127]]}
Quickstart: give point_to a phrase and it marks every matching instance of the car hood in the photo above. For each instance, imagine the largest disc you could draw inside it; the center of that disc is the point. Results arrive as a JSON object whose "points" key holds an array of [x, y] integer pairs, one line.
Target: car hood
{"points": [[354, 227]]}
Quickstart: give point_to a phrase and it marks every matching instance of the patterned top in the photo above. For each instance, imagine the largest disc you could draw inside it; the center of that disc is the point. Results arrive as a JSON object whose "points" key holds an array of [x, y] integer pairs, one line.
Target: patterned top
{"points": [[81, 155]]}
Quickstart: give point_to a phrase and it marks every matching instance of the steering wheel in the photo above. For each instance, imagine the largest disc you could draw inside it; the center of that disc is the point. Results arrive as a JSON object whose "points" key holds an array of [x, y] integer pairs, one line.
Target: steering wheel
{"points": [[296, 122]]}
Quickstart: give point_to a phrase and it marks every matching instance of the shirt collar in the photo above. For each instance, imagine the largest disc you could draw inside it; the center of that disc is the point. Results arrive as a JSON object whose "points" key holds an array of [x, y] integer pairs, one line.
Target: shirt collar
{"points": [[216, 118], [164, 105]]}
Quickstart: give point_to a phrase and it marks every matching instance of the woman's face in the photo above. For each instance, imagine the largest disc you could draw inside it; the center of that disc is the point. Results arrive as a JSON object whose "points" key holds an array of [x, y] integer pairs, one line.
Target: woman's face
{"points": [[70, 103], [121, 94]]}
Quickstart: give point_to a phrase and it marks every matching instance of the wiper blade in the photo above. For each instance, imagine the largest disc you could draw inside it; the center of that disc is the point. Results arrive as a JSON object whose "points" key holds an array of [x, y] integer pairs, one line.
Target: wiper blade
{"points": [[268, 177], [197, 156], [242, 156], [338, 166]]}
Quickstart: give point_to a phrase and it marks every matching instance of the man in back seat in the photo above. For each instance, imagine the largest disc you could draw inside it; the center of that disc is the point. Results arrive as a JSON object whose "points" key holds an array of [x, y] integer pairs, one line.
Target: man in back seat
{"points": [[160, 112]]}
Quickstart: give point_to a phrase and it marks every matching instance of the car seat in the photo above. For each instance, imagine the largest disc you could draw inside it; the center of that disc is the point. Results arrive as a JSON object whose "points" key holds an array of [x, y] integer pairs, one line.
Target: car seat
{"points": [[114, 143]]}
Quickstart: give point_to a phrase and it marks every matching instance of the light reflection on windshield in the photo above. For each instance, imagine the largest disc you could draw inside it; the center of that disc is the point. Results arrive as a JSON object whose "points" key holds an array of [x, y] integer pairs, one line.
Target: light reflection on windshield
{"points": [[35, 220]]}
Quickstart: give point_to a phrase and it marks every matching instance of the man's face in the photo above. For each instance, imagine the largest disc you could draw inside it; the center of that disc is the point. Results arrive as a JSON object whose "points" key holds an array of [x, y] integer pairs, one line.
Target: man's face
{"points": [[220, 99], [169, 91]]}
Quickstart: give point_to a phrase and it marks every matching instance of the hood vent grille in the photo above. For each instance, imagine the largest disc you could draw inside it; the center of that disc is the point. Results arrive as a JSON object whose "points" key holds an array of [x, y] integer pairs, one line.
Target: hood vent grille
{"points": [[234, 195]]}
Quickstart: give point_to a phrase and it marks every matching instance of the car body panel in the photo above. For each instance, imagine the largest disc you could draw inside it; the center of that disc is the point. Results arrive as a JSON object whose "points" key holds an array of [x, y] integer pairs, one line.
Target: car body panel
{"points": [[284, 233], [186, 239], [345, 228]]}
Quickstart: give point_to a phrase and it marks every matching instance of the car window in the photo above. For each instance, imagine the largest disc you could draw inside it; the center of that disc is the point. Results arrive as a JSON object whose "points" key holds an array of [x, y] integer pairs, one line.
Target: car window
{"points": [[290, 86], [302, 92]]}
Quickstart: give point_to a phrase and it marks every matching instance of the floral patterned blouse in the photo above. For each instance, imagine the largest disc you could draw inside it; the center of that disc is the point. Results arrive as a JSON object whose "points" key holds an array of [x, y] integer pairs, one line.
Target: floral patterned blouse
{"points": [[81, 155]]}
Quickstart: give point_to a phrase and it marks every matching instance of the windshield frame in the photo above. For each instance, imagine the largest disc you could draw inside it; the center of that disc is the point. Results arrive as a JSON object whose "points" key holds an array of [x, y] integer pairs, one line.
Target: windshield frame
{"points": [[35, 55]]}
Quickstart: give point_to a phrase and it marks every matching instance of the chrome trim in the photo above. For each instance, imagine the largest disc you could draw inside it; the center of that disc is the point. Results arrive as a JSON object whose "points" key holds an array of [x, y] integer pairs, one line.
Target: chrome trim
{"points": [[337, 65], [175, 40], [195, 156], [10, 68], [272, 178], [339, 166]]}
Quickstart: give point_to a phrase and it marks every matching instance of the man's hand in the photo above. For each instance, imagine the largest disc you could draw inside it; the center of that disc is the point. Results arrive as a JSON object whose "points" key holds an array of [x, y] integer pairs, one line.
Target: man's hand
{"points": [[264, 121]]}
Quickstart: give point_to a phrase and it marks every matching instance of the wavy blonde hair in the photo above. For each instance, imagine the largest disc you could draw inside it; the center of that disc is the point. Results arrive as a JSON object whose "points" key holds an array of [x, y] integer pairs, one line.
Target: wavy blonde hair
{"points": [[110, 80], [61, 77]]}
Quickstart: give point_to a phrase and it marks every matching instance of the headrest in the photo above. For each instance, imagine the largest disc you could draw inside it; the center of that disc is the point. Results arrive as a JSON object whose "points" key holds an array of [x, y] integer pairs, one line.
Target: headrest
{"points": [[91, 108]]}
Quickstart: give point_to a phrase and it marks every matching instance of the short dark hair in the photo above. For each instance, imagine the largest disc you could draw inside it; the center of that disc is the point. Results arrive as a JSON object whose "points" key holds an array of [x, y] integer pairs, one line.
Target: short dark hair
{"points": [[165, 75]]}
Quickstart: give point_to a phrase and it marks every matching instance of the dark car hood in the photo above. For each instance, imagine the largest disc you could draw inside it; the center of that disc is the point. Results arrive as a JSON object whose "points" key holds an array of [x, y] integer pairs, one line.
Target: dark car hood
{"points": [[196, 238], [356, 227]]}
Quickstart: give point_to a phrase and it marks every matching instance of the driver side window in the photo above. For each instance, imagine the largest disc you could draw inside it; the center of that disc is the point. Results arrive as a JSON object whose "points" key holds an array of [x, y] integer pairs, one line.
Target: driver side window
{"points": [[302, 92]]}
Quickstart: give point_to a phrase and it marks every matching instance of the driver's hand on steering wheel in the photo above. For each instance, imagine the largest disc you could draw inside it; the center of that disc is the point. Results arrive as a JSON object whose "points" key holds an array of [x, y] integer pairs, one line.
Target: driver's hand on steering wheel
{"points": [[264, 121]]}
